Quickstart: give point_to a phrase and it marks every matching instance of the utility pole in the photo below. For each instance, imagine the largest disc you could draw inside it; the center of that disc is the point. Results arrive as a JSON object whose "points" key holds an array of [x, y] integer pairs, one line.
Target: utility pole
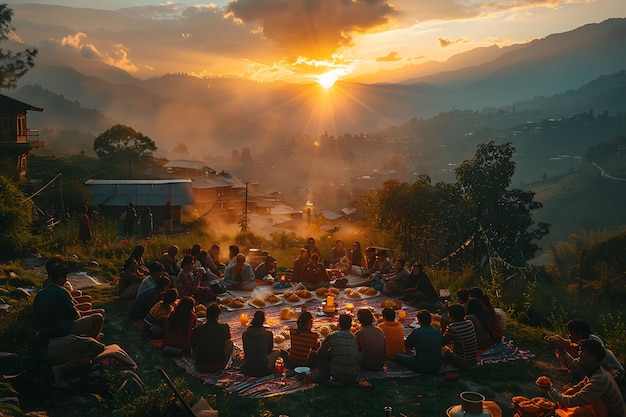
{"points": [[245, 213]]}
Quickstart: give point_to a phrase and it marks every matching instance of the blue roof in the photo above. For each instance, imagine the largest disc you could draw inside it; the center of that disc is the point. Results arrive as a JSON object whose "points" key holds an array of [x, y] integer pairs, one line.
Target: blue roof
{"points": [[118, 193]]}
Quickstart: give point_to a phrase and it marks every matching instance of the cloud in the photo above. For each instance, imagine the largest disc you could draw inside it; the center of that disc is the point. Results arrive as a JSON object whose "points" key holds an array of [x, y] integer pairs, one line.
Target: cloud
{"points": [[164, 11], [312, 28], [390, 57], [445, 42], [117, 56]]}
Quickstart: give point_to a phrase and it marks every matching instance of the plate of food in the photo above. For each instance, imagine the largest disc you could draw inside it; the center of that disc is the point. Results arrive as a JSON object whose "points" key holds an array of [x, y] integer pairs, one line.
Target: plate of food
{"points": [[368, 292], [323, 292], [232, 304], [543, 382], [265, 300], [352, 294], [292, 299]]}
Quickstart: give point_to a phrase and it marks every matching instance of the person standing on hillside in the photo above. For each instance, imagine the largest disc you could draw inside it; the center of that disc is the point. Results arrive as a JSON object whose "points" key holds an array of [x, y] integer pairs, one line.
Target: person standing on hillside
{"points": [[168, 220], [130, 218], [84, 226], [147, 223]]}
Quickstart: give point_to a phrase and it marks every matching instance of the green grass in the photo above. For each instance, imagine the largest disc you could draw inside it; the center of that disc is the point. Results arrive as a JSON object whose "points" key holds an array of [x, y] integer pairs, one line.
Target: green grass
{"points": [[546, 302]]}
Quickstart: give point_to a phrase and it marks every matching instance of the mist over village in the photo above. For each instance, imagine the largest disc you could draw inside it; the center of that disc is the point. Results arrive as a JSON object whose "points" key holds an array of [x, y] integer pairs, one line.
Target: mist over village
{"points": [[415, 206]]}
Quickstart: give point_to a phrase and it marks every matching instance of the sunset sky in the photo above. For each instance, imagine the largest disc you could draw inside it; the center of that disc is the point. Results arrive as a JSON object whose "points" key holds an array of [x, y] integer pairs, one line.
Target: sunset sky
{"points": [[291, 40]]}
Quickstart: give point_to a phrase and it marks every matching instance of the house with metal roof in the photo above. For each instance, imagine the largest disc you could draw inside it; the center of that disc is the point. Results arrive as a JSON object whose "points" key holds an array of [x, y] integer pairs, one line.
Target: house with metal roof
{"points": [[112, 196]]}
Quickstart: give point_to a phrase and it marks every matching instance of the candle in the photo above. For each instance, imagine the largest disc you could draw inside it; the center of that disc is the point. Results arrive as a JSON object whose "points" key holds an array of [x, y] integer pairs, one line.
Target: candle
{"points": [[401, 314], [243, 319], [330, 301], [349, 307]]}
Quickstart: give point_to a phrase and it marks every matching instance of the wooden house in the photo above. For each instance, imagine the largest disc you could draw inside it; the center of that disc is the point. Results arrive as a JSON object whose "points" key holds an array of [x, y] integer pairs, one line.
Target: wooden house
{"points": [[16, 139]]}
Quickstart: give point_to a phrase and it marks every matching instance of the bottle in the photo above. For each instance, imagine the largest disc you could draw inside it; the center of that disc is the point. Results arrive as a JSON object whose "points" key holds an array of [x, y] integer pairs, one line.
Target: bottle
{"points": [[279, 365]]}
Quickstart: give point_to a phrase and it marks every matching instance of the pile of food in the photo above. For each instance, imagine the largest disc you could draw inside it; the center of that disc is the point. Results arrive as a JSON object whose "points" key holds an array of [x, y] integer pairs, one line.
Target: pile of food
{"points": [[389, 303], [287, 314], [536, 407], [233, 302], [369, 291], [543, 381], [350, 293], [291, 297], [304, 294], [324, 292]]}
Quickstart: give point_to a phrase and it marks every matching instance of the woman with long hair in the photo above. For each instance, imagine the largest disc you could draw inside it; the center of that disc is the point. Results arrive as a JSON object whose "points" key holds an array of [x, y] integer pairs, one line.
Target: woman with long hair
{"points": [[130, 280], [137, 254], [258, 348], [182, 321], [304, 343], [476, 314]]}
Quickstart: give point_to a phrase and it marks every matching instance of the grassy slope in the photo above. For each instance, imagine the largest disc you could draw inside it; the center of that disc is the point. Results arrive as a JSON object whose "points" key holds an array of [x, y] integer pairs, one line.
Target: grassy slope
{"points": [[582, 200]]}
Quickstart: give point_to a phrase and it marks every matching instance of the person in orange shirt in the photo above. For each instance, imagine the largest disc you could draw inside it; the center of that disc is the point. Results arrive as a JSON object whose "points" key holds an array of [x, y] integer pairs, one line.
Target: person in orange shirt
{"points": [[394, 333]]}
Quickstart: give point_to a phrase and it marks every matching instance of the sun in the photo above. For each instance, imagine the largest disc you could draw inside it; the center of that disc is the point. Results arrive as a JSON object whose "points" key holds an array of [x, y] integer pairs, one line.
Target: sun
{"points": [[327, 79]]}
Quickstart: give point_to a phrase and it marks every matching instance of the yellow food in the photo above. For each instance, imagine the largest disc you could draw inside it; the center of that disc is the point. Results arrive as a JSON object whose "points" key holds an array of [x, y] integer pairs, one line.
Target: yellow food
{"points": [[543, 380], [304, 294], [351, 293], [258, 301], [287, 314], [388, 303], [279, 338], [272, 298], [324, 331], [367, 290]]}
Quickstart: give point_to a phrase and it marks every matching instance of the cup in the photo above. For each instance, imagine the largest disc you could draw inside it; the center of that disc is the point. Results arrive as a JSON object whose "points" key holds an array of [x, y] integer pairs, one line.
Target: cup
{"points": [[401, 314], [472, 402], [243, 319]]}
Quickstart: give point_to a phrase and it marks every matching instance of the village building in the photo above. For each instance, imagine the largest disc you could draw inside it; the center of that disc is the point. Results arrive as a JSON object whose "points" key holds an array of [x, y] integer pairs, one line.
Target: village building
{"points": [[16, 139]]}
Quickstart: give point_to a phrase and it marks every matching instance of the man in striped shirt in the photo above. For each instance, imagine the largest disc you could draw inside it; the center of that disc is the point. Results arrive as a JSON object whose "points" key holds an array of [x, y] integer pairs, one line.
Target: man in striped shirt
{"points": [[460, 346]]}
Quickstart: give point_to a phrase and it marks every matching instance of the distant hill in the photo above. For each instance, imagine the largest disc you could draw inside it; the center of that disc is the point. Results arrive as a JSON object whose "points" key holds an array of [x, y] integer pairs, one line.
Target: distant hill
{"points": [[583, 200]]}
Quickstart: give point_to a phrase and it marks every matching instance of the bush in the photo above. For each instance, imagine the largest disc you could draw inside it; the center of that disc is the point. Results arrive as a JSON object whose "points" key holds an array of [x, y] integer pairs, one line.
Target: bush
{"points": [[16, 218]]}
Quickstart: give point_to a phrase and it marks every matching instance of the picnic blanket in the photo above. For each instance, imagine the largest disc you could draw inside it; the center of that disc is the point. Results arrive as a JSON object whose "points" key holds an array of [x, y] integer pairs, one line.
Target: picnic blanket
{"points": [[233, 380]]}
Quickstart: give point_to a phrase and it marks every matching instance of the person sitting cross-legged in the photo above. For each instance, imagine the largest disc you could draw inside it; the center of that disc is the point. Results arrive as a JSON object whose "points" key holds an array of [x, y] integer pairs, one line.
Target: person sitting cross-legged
{"points": [[427, 342], [461, 347], [304, 343], [338, 357], [239, 275], [394, 333], [211, 345], [370, 341], [597, 395], [71, 337], [258, 347]]}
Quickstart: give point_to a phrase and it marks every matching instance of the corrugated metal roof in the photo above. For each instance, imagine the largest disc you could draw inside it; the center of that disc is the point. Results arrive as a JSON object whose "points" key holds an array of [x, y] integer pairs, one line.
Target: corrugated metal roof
{"points": [[211, 182], [331, 215], [118, 193], [182, 163]]}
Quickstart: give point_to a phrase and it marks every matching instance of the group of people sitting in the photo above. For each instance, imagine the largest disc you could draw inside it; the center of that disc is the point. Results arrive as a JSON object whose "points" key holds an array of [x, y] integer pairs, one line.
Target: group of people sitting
{"points": [[593, 369]]}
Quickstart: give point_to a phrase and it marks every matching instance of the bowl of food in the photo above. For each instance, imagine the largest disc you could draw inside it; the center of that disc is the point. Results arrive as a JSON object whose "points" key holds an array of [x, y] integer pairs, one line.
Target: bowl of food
{"points": [[302, 372]]}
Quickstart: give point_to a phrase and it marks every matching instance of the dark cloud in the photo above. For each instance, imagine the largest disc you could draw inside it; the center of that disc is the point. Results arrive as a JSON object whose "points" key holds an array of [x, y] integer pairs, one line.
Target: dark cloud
{"points": [[445, 42], [390, 57], [312, 28]]}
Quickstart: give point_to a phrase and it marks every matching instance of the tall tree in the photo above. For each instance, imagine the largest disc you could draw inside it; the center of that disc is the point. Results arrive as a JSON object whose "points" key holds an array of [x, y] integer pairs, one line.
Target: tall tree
{"points": [[121, 142], [121, 138], [505, 216], [13, 65]]}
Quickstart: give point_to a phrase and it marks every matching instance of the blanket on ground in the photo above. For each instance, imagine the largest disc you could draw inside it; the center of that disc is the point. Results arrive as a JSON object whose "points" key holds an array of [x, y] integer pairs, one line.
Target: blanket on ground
{"points": [[234, 381]]}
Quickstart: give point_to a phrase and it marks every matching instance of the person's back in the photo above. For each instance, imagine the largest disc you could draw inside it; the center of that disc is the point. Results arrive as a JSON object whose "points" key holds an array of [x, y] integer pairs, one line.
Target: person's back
{"points": [[370, 341], [302, 343], [338, 356], [54, 311], [257, 343], [462, 335], [394, 333], [209, 342], [427, 342]]}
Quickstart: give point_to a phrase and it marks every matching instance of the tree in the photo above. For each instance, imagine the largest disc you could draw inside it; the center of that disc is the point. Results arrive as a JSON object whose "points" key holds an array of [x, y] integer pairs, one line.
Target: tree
{"points": [[504, 216], [13, 65], [16, 217], [120, 138]]}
